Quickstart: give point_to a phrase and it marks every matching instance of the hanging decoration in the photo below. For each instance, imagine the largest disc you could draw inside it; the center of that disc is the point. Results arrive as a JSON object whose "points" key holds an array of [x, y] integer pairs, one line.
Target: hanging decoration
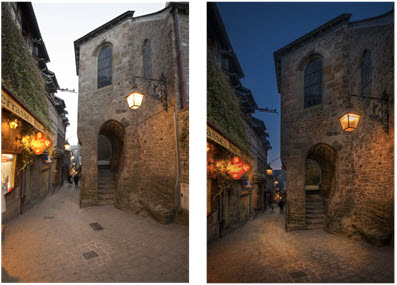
{"points": [[238, 167], [40, 143], [248, 184], [48, 159]]}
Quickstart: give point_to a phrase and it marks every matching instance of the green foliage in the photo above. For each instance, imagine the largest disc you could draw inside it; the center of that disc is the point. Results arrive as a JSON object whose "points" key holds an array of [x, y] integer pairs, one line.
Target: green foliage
{"points": [[19, 71], [223, 109]]}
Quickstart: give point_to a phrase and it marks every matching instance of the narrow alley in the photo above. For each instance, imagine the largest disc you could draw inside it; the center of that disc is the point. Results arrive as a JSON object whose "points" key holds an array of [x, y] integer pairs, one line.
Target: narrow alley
{"points": [[56, 241], [262, 251]]}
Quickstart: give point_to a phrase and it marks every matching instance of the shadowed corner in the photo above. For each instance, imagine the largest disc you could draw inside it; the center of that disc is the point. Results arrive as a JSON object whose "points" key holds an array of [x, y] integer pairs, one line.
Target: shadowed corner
{"points": [[6, 278]]}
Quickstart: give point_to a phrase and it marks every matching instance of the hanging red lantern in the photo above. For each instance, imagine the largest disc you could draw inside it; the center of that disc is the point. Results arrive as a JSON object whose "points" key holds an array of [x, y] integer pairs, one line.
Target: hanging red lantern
{"points": [[40, 143], [238, 168]]}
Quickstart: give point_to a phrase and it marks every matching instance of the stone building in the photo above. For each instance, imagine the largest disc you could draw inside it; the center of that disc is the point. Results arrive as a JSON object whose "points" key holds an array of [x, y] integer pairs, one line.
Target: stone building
{"points": [[338, 180], [232, 133], [29, 107], [135, 159]]}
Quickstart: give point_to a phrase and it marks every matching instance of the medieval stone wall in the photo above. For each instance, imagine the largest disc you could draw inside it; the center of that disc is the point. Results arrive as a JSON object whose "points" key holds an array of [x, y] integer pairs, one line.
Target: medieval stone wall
{"points": [[146, 179], [358, 190]]}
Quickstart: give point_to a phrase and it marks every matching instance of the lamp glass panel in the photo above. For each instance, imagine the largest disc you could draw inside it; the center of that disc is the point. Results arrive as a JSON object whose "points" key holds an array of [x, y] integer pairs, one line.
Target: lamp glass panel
{"points": [[269, 171]]}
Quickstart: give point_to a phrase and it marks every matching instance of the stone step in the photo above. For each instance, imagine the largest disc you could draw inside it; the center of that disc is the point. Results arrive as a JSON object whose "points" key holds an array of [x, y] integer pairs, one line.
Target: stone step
{"points": [[313, 227], [314, 221], [105, 191], [102, 196], [105, 202], [105, 185], [318, 215]]}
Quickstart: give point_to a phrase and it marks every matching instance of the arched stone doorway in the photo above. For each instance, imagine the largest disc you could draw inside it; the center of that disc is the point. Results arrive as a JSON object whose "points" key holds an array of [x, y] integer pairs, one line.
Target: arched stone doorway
{"points": [[110, 159], [319, 183]]}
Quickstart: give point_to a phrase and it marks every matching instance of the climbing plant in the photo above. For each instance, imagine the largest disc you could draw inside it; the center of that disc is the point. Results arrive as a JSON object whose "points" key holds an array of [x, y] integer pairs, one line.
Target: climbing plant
{"points": [[19, 71], [223, 108]]}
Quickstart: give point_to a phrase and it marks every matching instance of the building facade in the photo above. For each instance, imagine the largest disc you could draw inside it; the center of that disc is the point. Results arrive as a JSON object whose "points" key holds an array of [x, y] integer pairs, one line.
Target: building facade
{"points": [[135, 159], [235, 138], [332, 175], [30, 112]]}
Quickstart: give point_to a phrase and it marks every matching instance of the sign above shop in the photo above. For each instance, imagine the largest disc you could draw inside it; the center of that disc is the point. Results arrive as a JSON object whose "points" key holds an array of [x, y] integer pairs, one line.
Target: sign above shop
{"points": [[14, 107], [221, 140], [48, 159], [238, 168], [248, 184]]}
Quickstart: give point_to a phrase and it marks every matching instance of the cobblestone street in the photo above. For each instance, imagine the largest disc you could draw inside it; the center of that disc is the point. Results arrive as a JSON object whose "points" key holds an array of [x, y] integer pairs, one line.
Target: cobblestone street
{"points": [[262, 251], [54, 242]]}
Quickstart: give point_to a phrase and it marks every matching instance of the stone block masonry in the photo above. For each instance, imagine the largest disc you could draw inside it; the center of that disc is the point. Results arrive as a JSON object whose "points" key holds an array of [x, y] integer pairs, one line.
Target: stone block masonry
{"points": [[357, 185], [145, 171]]}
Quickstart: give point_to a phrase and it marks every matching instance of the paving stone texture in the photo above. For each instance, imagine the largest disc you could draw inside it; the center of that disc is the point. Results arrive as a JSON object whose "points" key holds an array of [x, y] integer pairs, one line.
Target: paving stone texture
{"points": [[262, 251], [130, 248]]}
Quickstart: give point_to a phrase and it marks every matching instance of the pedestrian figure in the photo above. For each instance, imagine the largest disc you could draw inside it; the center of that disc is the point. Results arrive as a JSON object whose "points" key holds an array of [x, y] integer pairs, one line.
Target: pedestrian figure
{"points": [[70, 179], [281, 205], [76, 180]]}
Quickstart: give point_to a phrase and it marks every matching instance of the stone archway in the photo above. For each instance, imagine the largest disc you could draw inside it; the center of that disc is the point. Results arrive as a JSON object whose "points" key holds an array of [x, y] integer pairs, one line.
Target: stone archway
{"points": [[110, 159], [319, 182]]}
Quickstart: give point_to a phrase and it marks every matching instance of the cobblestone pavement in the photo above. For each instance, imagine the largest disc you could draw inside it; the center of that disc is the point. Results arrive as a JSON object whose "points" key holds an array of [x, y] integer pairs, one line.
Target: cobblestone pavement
{"points": [[262, 251], [54, 242]]}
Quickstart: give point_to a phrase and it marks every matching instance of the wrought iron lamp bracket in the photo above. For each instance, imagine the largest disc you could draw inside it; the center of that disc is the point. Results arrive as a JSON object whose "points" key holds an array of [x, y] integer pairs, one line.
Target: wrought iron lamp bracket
{"points": [[383, 106], [156, 88]]}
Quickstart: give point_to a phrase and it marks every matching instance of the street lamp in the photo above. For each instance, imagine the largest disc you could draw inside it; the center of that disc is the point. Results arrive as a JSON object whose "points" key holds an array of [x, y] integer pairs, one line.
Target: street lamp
{"points": [[13, 124], [269, 170], [349, 120], [134, 100], [276, 182], [158, 91], [67, 146], [379, 112]]}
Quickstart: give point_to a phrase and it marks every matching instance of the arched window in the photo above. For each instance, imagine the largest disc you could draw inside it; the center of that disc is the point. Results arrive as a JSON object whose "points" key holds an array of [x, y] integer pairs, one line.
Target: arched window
{"points": [[313, 83], [366, 71], [105, 67], [147, 60]]}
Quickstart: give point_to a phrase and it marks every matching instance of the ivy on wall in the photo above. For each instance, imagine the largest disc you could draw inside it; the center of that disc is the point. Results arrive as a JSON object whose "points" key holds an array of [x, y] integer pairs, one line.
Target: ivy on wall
{"points": [[223, 109], [19, 71]]}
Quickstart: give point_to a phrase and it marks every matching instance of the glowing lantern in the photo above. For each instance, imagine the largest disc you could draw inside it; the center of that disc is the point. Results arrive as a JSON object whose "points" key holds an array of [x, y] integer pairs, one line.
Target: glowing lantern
{"points": [[72, 157], [238, 168], [269, 171], [13, 124], [40, 143], [67, 146], [134, 100], [208, 146], [349, 120], [276, 182]]}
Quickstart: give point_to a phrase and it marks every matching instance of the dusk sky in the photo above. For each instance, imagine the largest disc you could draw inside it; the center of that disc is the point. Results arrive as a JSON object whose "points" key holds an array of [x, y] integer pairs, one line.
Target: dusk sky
{"points": [[256, 30]]}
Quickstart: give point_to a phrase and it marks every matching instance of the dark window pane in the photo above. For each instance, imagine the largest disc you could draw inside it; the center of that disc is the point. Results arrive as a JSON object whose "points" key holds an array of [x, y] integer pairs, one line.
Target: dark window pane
{"points": [[105, 67], [147, 60], [366, 70], [313, 83]]}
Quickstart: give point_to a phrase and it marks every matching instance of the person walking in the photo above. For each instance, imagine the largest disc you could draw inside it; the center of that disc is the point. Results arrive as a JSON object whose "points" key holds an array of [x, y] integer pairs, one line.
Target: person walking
{"points": [[76, 179], [281, 205]]}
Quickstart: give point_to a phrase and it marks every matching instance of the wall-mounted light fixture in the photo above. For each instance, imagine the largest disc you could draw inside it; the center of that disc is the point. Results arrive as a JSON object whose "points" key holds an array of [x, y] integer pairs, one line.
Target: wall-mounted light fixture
{"points": [[379, 112], [157, 89], [67, 146]]}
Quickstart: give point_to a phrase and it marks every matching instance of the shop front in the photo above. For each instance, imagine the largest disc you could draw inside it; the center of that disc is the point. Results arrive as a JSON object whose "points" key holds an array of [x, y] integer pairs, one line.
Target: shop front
{"points": [[24, 139], [228, 174]]}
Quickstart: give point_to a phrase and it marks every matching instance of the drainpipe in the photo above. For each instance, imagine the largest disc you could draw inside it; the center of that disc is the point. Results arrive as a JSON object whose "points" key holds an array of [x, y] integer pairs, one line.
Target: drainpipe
{"points": [[177, 189], [182, 80]]}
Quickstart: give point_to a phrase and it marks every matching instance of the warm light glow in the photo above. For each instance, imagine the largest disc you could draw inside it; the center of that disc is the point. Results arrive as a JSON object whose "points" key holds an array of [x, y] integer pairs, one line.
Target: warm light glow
{"points": [[349, 121], [269, 171], [276, 182], [72, 157], [67, 146], [208, 146], [13, 124], [134, 100], [237, 168], [40, 143]]}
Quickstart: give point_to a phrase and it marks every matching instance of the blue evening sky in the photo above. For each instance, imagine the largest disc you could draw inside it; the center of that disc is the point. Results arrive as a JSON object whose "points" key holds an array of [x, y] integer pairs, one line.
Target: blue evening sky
{"points": [[258, 29]]}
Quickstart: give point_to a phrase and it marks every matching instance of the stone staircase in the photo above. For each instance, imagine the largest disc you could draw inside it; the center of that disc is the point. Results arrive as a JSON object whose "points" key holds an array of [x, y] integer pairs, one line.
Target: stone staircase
{"points": [[314, 210], [105, 186]]}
